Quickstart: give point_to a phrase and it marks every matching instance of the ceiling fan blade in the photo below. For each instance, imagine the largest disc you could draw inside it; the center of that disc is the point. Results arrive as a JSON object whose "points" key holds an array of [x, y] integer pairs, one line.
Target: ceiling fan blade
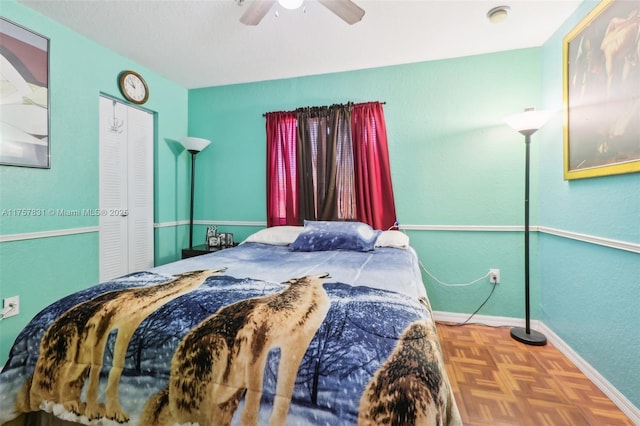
{"points": [[256, 11], [345, 9]]}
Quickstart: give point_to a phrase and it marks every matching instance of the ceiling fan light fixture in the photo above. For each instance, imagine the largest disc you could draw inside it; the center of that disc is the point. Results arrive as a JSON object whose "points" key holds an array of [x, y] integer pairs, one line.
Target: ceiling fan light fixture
{"points": [[290, 4], [498, 14]]}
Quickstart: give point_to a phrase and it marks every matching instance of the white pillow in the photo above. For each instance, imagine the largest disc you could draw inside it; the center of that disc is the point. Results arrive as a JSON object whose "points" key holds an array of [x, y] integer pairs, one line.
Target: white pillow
{"points": [[395, 239], [276, 235]]}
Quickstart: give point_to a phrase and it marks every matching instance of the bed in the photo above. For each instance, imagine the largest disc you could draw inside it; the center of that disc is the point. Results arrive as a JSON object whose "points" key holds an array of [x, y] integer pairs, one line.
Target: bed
{"points": [[323, 324]]}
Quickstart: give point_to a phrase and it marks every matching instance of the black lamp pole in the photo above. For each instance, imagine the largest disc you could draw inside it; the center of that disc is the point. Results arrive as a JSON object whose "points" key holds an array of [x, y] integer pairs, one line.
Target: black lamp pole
{"points": [[194, 146], [526, 335], [527, 123], [193, 175]]}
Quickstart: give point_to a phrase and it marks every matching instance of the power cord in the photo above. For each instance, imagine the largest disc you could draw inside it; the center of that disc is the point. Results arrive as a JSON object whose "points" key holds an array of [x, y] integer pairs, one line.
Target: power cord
{"points": [[493, 288], [465, 322], [397, 226], [448, 284]]}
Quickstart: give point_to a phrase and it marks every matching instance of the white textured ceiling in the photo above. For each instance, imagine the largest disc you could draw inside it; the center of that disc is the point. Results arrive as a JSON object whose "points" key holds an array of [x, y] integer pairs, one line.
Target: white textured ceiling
{"points": [[202, 43]]}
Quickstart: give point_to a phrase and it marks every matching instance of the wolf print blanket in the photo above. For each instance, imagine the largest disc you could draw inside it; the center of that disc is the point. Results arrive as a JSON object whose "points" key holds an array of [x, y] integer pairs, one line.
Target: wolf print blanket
{"points": [[207, 348]]}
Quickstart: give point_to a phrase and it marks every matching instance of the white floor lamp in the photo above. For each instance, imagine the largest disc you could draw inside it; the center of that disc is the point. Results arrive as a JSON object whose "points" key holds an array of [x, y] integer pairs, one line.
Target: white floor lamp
{"points": [[194, 146], [527, 123]]}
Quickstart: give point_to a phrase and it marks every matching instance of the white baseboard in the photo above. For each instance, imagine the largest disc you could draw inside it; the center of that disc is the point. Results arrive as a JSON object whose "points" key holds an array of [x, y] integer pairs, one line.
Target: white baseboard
{"points": [[494, 321], [602, 383]]}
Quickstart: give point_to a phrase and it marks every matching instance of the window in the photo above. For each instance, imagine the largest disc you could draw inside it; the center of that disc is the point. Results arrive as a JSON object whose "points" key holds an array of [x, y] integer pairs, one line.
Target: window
{"points": [[329, 163]]}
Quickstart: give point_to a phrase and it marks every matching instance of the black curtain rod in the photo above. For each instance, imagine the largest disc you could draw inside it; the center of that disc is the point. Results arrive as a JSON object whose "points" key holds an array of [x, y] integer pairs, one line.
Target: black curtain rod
{"points": [[265, 114]]}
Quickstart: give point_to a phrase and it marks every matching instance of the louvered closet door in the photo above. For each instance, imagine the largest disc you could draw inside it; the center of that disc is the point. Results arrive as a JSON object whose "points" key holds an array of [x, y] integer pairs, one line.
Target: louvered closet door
{"points": [[126, 189], [140, 189]]}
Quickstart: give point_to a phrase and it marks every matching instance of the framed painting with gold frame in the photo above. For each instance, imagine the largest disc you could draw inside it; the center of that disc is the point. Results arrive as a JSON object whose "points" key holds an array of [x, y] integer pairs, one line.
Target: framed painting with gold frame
{"points": [[601, 58]]}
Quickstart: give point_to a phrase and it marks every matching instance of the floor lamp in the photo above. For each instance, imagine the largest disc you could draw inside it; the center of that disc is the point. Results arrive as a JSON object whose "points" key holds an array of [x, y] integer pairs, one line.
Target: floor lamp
{"points": [[194, 146], [527, 123]]}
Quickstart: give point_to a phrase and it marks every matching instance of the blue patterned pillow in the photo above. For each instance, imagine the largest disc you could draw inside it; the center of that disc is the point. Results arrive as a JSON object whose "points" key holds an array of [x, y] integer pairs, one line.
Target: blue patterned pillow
{"points": [[328, 235]]}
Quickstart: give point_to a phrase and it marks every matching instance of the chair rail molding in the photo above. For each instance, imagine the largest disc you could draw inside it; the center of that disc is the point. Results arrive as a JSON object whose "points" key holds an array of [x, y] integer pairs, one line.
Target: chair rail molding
{"points": [[47, 234], [591, 239]]}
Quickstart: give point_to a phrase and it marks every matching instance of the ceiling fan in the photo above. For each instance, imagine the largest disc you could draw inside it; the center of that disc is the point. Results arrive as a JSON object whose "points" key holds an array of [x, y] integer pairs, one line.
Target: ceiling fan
{"points": [[347, 10]]}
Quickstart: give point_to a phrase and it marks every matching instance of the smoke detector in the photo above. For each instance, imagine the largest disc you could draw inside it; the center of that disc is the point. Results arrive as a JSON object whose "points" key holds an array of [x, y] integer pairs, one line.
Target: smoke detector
{"points": [[498, 14]]}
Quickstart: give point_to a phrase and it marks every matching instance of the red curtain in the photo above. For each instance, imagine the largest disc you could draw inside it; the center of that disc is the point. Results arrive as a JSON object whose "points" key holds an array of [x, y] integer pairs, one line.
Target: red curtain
{"points": [[282, 193], [365, 171], [374, 192]]}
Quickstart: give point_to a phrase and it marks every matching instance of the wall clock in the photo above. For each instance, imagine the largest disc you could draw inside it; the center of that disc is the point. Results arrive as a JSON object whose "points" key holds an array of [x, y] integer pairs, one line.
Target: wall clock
{"points": [[133, 87]]}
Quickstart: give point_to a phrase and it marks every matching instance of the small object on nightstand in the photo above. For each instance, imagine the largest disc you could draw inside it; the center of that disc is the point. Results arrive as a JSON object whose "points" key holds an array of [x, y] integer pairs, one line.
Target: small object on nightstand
{"points": [[212, 231], [220, 241], [213, 241], [226, 239], [203, 249]]}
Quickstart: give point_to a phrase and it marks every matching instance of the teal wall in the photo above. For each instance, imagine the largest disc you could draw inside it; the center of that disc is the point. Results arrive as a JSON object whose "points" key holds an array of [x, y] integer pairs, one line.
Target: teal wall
{"points": [[589, 294], [453, 160], [44, 269]]}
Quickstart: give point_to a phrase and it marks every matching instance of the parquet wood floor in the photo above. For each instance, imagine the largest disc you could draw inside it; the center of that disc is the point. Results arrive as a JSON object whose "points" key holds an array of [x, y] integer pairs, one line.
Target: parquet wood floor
{"points": [[499, 381]]}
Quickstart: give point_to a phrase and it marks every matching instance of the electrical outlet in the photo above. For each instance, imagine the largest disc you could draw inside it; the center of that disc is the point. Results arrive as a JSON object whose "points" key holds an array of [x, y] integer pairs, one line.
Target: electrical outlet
{"points": [[11, 306], [494, 276]]}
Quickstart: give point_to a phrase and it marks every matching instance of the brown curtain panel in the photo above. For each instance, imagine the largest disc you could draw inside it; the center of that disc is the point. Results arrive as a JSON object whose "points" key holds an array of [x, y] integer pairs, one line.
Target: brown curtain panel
{"points": [[324, 150]]}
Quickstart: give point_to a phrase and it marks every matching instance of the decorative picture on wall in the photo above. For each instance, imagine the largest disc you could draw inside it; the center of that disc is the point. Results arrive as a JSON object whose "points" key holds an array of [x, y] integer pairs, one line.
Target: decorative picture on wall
{"points": [[24, 121], [602, 92]]}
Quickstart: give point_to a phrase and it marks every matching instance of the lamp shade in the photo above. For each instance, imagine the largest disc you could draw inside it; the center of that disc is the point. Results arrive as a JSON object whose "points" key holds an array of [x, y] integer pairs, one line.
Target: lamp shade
{"points": [[529, 121], [194, 144]]}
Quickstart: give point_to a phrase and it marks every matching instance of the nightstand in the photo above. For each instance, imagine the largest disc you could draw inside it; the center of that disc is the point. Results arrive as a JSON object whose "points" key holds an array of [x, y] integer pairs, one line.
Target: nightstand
{"points": [[201, 249]]}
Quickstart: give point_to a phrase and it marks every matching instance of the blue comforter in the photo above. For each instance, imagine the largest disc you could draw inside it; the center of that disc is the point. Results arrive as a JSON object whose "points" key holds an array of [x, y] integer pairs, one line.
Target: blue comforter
{"points": [[194, 350]]}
